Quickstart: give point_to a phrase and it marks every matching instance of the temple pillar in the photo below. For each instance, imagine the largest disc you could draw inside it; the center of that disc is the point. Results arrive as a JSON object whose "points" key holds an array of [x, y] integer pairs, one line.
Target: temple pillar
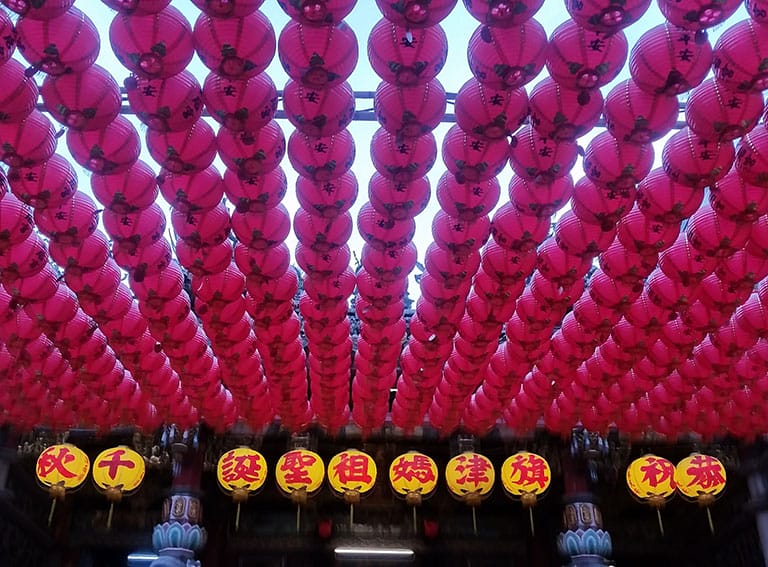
{"points": [[181, 536], [583, 542]]}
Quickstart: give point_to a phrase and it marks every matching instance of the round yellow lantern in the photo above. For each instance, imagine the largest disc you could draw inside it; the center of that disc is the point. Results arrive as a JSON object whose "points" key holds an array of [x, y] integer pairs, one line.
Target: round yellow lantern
{"points": [[470, 477], [116, 472], [61, 468], [651, 479], [241, 472], [299, 474], [526, 476], [701, 478], [351, 474], [413, 476]]}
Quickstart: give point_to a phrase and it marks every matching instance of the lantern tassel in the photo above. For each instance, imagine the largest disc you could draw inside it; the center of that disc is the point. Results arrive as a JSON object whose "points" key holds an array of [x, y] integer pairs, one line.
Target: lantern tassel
{"points": [[661, 524], [53, 509], [237, 518], [474, 519], [711, 524], [109, 515], [530, 517]]}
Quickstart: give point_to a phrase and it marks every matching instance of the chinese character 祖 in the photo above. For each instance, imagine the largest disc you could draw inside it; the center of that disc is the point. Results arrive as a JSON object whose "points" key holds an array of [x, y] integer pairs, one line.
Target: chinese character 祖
{"points": [[352, 468]]}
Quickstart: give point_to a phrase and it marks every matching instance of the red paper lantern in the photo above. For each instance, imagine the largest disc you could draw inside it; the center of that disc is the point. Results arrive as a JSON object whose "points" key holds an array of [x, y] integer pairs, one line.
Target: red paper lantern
{"points": [[185, 152], [661, 199], [138, 7], [612, 294], [240, 104], [20, 94], [416, 13], [48, 184], [130, 191], [396, 199], [200, 191], [96, 283], [90, 254], [581, 238], [204, 260], [538, 159], [752, 157], [377, 292], [327, 198], [9, 38], [635, 116], [71, 222], [579, 58], [669, 60], [89, 100], [323, 265], [514, 231], [154, 45], [170, 104], [404, 56], [600, 205], [25, 259], [695, 162], [67, 44], [738, 57], [716, 112], [262, 230], [136, 229], [321, 159], [715, 235], [606, 15], [508, 58], [147, 260], [616, 165], [319, 112], [647, 237], [502, 14], [45, 10], [560, 267], [697, 14], [402, 160], [109, 151], [472, 159], [626, 266], [736, 200], [507, 266], [743, 270], [28, 143], [16, 222], [488, 112], [228, 8], [318, 12], [460, 237], [410, 111], [383, 232], [205, 228], [469, 200], [257, 193], [327, 56], [252, 153], [561, 113]]}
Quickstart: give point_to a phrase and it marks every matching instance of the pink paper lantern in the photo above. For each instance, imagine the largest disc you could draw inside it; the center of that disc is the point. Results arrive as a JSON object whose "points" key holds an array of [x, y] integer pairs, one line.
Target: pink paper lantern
{"points": [[738, 57], [394, 59], [111, 150], [319, 112], [252, 153], [402, 160], [396, 199], [321, 159], [409, 111], [635, 116], [170, 104], [606, 15], [561, 113], [327, 56], [20, 94], [185, 152]]}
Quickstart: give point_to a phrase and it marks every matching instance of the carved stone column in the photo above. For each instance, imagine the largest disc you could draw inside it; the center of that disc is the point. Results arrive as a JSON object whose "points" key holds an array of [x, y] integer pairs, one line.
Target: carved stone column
{"points": [[583, 541]]}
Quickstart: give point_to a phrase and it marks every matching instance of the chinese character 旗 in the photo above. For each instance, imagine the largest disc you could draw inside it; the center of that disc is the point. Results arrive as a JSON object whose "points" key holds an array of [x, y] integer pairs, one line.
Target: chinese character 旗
{"points": [[116, 472], [241, 472], [652, 479], [61, 468], [701, 478], [526, 476]]}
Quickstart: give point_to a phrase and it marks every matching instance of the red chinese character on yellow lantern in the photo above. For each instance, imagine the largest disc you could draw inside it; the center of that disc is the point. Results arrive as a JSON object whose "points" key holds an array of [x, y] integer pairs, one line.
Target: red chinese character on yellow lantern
{"points": [[119, 467], [525, 473], [413, 472], [352, 470], [700, 474], [64, 465], [300, 469], [470, 472], [651, 477], [241, 468]]}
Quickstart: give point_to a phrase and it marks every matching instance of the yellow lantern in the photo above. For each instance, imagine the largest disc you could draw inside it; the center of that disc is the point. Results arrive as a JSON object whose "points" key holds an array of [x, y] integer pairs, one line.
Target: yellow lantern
{"points": [[701, 478], [299, 474], [413, 475], [351, 474], [470, 477], [60, 468], [241, 472], [652, 479], [118, 471], [526, 476]]}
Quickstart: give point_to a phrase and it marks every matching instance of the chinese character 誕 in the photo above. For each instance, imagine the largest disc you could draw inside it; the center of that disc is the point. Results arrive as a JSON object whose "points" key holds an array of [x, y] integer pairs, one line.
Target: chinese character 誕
{"points": [[300, 469], [413, 472], [524, 473], [64, 465], [352, 470], [242, 468]]}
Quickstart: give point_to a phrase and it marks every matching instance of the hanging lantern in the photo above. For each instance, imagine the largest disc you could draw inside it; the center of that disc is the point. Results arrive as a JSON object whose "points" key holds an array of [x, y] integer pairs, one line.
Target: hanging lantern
{"points": [[467, 201], [583, 59], [470, 477], [321, 159], [606, 15], [197, 192], [701, 478], [20, 94], [130, 191], [241, 472], [413, 476], [736, 200], [684, 263], [526, 476], [45, 10], [109, 151], [318, 12], [48, 184], [508, 58], [228, 8], [9, 38], [670, 61], [514, 231], [262, 230], [539, 159], [396, 199], [502, 14], [402, 160], [70, 223], [28, 143], [561, 113], [117, 472], [252, 153], [409, 111], [599, 205], [60, 468], [645, 236], [715, 235], [327, 57], [580, 238], [404, 56], [299, 474], [490, 113], [257, 193], [351, 475], [319, 112], [739, 55], [752, 157], [635, 116], [735, 113], [153, 46], [89, 100], [652, 479], [616, 165], [695, 162], [170, 104], [138, 7], [327, 199], [187, 152], [472, 159], [77, 50], [664, 200], [383, 232]]}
